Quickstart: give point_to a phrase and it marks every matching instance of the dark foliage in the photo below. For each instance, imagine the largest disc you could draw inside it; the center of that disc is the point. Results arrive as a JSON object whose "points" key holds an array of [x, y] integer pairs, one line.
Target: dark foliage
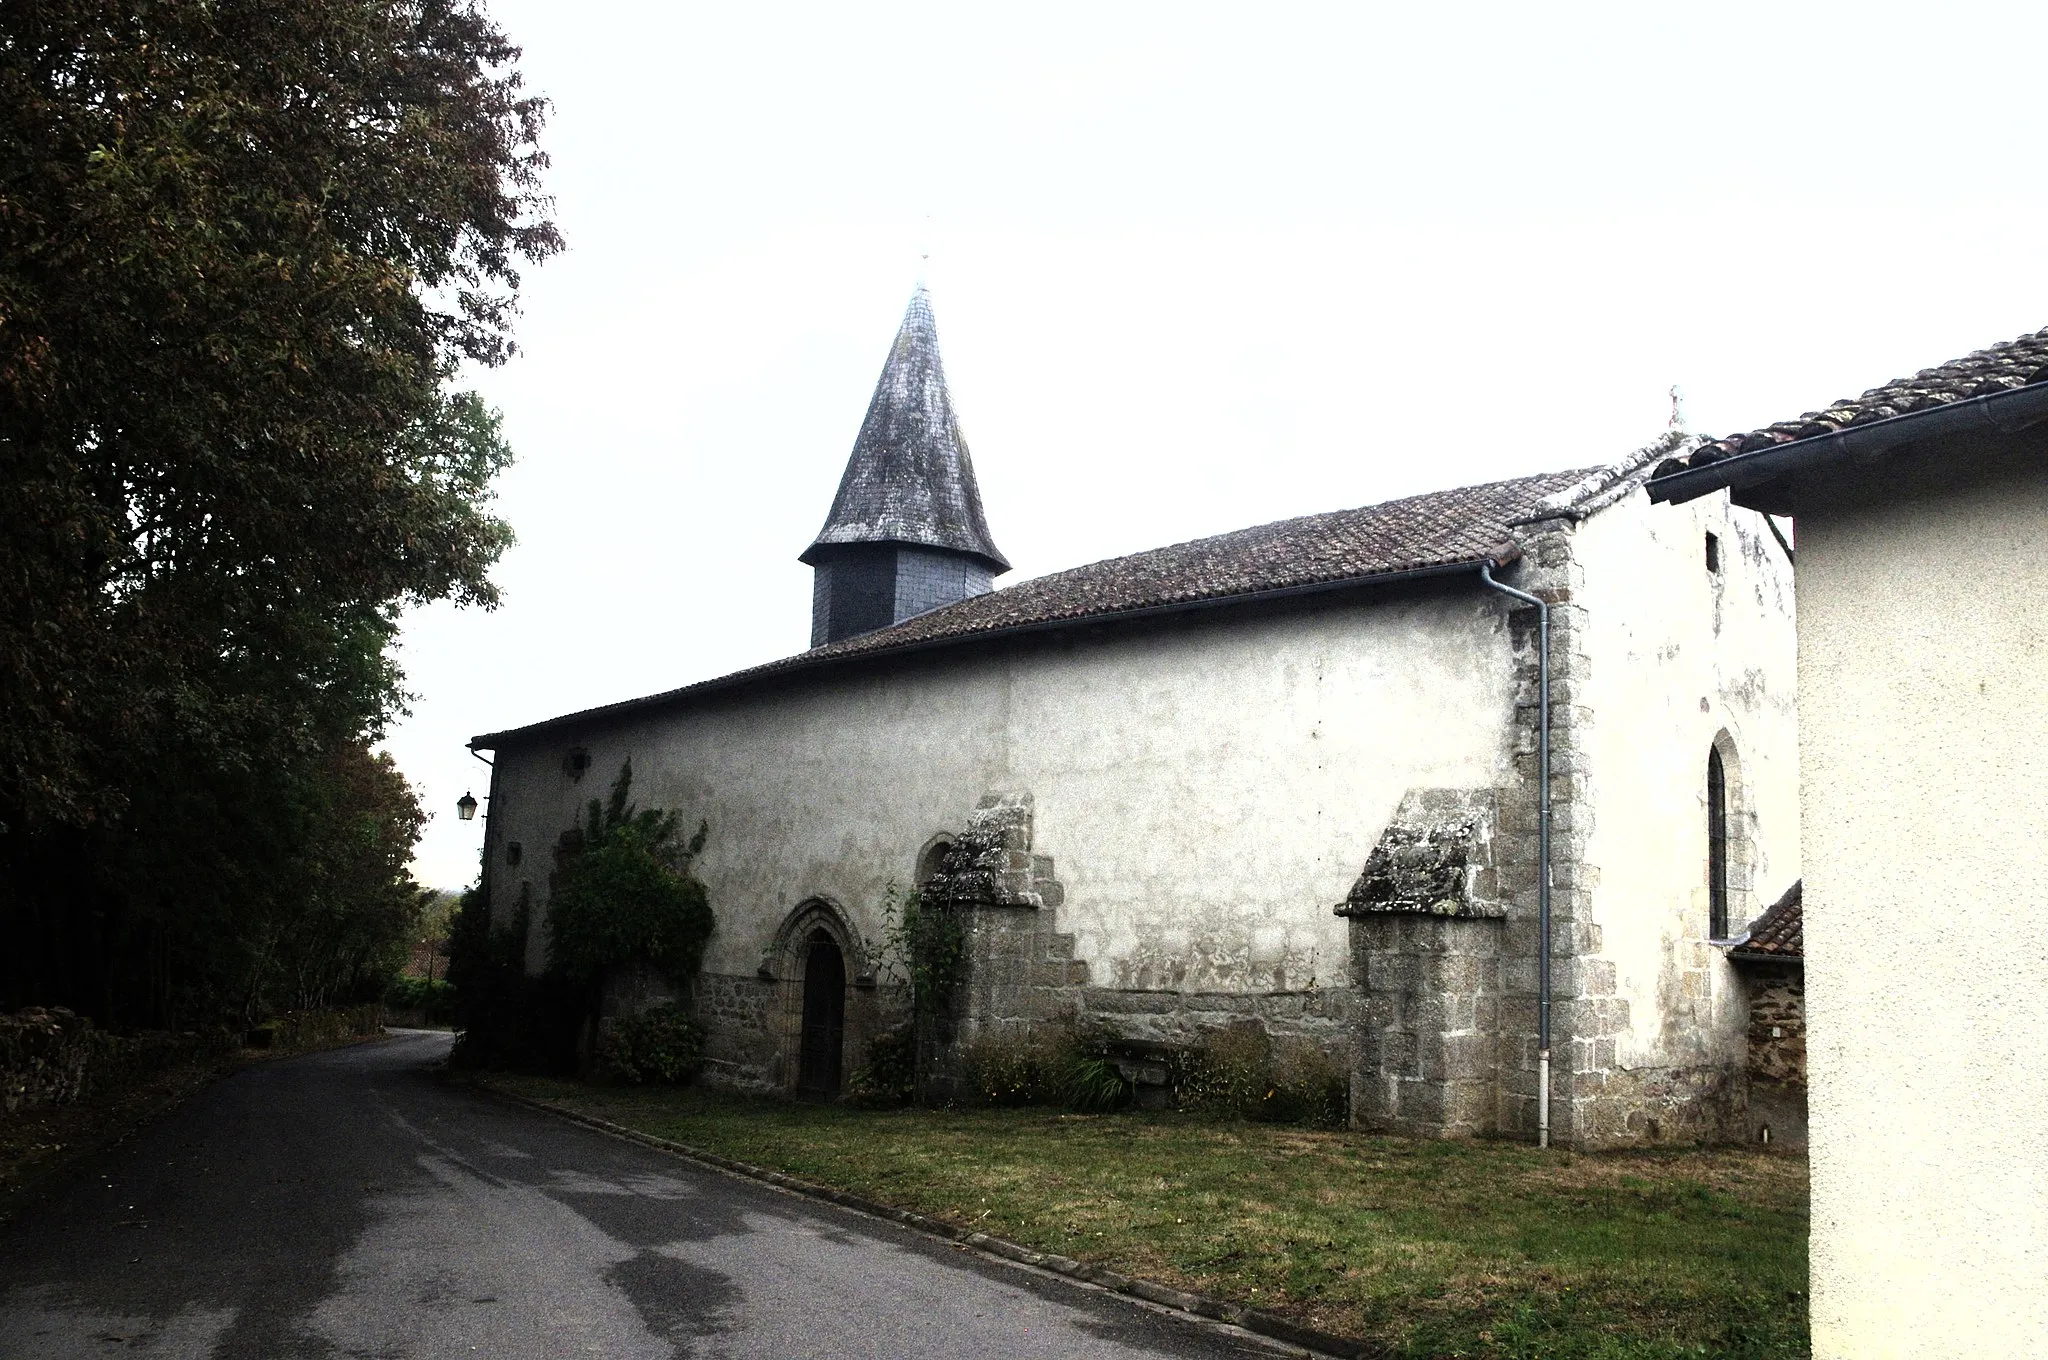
{"points": [[1053, 1065], [889, 1076], [660, 1046], [623, 893], [420, 1000], [243, 249], [621, 896], [503, 1017], [1240, 1070]]}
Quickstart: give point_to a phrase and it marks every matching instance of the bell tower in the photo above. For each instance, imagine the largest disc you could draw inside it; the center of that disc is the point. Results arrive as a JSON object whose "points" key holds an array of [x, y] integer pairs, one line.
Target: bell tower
{"points": [[906, 532]]}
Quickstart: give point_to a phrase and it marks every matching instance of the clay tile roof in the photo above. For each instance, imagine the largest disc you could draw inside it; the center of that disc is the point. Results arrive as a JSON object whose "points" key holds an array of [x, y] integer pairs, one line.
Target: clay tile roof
{"points": [[1444, 529], [1778, 934], [910, 479], [2001, 368]]}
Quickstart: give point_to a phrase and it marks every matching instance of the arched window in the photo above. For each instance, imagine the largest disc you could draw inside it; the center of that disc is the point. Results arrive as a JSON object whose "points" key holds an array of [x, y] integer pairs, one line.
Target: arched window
{"points": [[933, 859], [1717, 846]]}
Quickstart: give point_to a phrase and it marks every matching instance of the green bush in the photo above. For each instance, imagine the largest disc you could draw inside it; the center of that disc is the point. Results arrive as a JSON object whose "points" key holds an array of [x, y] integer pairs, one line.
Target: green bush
{"points": [[1048, 1066], [889, 1076], [431, 999], [623, 894], [1093, 1085], [1007, 1070], [1240, 1071], [295, 1030], [659, 1046]]}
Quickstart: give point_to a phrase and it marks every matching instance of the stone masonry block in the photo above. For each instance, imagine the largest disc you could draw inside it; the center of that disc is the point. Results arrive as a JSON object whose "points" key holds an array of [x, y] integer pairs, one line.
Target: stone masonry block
{"points": [[1596, 976], [1468, 1057], [1421, 1102], [1452, 973], [1469, 1106], [1393, 973]]}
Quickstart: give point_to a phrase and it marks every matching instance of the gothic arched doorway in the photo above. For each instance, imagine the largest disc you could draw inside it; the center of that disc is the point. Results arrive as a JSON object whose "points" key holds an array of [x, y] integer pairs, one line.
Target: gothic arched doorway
{"points": [[824, 1024]]}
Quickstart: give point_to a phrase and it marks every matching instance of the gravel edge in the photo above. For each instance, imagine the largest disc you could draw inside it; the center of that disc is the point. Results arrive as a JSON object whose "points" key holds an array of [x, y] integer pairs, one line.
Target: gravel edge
{"points": [[1315, 1345]]}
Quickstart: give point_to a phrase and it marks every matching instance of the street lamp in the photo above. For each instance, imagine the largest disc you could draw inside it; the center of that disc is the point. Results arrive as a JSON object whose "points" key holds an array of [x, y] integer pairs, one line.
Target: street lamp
{"points": [[465, 807]]}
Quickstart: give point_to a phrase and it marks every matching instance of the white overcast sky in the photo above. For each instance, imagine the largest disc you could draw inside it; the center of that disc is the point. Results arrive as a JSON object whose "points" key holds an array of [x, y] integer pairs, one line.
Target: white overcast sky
{"points": [[1194, 267]]}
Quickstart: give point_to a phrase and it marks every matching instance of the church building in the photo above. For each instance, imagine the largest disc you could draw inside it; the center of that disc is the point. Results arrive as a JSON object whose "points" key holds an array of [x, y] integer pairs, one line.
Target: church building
{"points": [[1289, 776]]}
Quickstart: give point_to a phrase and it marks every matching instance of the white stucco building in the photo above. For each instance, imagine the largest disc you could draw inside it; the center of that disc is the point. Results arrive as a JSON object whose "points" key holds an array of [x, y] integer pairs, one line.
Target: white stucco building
{"points": [[1922, 507], [1283, 776]]}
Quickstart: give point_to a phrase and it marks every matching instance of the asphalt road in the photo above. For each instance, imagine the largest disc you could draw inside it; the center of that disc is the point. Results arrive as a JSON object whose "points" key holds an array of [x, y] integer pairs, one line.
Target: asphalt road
{"points": [[349, 1204]]}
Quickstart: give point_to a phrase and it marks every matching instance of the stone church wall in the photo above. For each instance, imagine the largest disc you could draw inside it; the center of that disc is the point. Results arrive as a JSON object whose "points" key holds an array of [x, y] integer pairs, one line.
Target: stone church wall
{"points": [[1654, 660], [1208, 789], [1775, 1112], [1667, 659], [1191, 800]]}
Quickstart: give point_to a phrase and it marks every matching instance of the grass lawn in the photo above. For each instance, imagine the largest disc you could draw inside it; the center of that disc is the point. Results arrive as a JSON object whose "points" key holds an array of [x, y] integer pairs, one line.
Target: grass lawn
{"points": [[1432, 1248]]}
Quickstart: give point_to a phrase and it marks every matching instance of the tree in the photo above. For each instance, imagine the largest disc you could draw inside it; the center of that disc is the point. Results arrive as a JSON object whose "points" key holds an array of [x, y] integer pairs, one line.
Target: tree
{"points": [[245, 249]]}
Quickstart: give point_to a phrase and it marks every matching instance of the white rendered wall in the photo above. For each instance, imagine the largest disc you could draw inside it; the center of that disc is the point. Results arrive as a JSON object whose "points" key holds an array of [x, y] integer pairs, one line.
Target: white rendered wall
{"points": [[1209, 790], [1681, 655], [1924, 708]]}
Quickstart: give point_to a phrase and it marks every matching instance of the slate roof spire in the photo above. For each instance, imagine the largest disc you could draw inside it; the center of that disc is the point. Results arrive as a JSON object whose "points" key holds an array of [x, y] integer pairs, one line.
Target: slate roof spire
{"points": [[910, 480]]}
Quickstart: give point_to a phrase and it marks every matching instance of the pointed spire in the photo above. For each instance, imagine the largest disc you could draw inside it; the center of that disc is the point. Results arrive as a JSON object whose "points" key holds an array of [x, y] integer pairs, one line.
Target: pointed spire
{"points": [[910, 480]]}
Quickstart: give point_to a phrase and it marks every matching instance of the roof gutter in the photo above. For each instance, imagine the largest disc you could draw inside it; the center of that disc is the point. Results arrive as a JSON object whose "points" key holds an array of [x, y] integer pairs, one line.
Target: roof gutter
{"points": [[1497, 557], [2003, 412], [1761, 956]]}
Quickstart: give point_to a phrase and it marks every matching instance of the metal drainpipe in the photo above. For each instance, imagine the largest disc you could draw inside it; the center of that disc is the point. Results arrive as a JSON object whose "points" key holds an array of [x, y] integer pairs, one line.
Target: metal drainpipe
{"points": [[1542, 848]]}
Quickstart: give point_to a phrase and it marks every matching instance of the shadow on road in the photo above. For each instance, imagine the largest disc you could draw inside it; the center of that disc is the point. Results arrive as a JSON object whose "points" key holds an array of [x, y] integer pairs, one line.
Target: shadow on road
{"points": [[351, 1204]]}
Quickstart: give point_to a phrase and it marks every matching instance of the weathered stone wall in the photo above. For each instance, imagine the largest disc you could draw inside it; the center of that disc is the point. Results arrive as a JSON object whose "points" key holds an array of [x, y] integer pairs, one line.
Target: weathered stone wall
{"points": [[1210, 787], [1777, 1022], [740, 1048], [1683, 657], [1669, 1104], [1629, 1063], [1426, 922], [753, 1022], [1427, 1057], [1020, 970], [1324, 1016], [1655, 658], [1775, 1106]]}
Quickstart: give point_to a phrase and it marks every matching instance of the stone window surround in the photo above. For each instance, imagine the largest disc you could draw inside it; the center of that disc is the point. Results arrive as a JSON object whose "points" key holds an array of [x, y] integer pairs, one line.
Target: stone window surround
{"points": [[783, 964], [1740, 848]]}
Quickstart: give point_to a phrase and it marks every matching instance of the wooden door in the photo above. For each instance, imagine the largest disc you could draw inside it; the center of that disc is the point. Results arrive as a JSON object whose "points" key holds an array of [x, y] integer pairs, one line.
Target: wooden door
{"points": [[824, 1031]]}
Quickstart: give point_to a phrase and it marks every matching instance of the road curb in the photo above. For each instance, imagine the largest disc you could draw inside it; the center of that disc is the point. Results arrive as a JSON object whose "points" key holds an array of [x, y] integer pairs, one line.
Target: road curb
{"points": [[1313, 1344]]}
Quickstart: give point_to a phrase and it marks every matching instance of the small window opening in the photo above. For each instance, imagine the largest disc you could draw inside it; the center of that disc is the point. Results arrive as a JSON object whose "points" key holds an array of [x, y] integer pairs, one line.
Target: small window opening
{"points": [[514, 853], [576, 763], [1714, 553], [932, 861], [1717, 847]]}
